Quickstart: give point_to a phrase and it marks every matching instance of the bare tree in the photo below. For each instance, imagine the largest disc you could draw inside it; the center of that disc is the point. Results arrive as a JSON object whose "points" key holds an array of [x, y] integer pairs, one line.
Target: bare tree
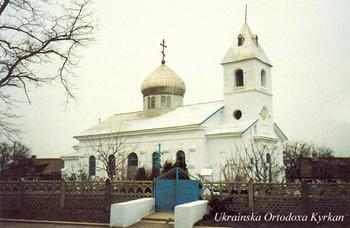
{"points": [[113, 152], [77, 172], [39, 40], [292, 153], [295, 152], [257, 162], [11, 153]]}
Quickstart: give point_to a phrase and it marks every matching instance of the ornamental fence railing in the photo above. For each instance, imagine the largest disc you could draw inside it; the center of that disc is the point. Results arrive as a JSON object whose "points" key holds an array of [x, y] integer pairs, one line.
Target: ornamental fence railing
{"points": [[63, 194], [281, 198], [298, 198]]}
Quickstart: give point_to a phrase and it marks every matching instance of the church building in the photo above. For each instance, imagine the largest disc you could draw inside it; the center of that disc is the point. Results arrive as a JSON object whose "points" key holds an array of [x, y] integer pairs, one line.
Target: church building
{"points": [[200, 135]]}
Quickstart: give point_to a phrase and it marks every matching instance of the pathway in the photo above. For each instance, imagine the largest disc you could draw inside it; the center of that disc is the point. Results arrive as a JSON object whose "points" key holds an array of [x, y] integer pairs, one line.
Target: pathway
{"points": [[157, 220]]}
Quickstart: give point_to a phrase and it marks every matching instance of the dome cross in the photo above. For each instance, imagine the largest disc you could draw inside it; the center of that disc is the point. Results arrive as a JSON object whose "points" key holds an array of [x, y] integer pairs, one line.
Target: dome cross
{"points": [[163, 53]]}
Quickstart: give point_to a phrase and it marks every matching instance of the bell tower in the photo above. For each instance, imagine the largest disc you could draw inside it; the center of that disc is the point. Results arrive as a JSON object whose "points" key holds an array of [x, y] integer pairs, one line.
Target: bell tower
{"points": [[247, 83]]}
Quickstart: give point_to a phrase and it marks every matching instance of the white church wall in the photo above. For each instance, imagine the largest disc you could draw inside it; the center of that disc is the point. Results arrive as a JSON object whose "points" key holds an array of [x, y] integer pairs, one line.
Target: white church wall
{"points": [[219, 149], [201, 152], [75, 165], [171, 143], [250, 103], [191, 142], [70, 166]]}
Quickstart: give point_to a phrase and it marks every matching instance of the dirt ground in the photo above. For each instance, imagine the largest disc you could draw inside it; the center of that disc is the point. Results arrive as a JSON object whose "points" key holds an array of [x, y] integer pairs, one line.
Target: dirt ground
{"points": [[47, 224]]}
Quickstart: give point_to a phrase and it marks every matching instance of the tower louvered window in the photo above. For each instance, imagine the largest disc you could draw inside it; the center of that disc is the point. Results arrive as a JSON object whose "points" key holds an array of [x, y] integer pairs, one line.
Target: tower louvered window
{"points": [[239, 78], [240, 40]]}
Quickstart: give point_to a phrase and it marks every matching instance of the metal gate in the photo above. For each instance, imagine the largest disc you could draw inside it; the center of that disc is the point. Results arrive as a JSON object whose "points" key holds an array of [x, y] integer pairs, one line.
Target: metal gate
{"points": [[174, 188]]}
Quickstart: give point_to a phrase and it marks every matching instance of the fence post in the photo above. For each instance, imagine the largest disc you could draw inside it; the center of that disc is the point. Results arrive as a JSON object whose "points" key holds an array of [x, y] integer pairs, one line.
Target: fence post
{"points": [[63, 194], [305, 201], [250, 195], [20, 194], [108, 196]]}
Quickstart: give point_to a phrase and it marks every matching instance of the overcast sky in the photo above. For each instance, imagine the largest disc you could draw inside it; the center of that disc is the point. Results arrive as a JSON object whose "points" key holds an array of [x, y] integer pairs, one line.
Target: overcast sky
{"points": [[306, 41]]}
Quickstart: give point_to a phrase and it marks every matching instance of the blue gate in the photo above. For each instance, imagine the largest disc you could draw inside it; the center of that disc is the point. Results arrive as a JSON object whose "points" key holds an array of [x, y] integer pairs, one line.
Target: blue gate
{"points": [[174, 188]]}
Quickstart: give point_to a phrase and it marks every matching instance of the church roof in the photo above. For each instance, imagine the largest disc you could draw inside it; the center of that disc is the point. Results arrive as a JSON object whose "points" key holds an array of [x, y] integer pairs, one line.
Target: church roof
{"points": [[240, 127], [249, 48], [183, 116], [163, 80]]}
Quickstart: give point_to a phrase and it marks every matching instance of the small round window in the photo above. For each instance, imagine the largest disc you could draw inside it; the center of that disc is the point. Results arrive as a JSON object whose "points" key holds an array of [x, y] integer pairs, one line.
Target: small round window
{"points": [[237, 114]]}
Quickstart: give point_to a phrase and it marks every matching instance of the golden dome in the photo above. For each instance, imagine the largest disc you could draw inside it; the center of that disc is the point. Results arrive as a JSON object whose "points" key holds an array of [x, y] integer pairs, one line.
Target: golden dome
{"points": [[163, 81]]}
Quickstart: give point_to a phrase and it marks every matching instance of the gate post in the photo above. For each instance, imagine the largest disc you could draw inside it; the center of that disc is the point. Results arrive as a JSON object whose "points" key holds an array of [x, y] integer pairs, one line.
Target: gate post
{"points": [[63, 194], [176, 184], [251, 195], [20, 194], [108, 196], [154, 188], [305, 201]]}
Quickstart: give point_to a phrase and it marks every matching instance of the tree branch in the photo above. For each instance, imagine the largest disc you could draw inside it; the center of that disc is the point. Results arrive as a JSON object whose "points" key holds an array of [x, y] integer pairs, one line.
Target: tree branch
{"points": [[3, 6]]}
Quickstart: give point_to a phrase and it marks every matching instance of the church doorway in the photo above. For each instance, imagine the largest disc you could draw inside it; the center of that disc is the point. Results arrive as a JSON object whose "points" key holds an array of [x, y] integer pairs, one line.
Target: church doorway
{"points": [[133, 162], [181, 159]]}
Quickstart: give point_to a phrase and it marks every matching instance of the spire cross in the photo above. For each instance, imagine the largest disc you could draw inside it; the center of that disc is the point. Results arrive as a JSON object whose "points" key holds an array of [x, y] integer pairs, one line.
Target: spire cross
{"points": [[163, 46], [245, 16]]}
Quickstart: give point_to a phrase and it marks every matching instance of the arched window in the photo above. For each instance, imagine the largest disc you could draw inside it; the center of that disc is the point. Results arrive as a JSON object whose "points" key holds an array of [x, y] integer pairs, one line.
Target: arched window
{"points": [[111, 164], [181, 158], [240, 40], [263, 78], [162, 101], [153, 103], [92, 166], [168, 101], [239, 79], [148, 103], [133, 162]]}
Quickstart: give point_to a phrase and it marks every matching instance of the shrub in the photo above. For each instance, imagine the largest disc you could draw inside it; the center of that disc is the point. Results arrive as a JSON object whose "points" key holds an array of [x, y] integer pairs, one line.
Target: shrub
{"points": [[168, 165], [142, 174], [154, 173], [217, 204]]}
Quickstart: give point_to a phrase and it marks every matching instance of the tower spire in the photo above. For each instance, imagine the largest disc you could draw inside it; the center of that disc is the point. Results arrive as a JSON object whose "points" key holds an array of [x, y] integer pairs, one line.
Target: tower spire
{"points": [[246, 13], [163, 54]]}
